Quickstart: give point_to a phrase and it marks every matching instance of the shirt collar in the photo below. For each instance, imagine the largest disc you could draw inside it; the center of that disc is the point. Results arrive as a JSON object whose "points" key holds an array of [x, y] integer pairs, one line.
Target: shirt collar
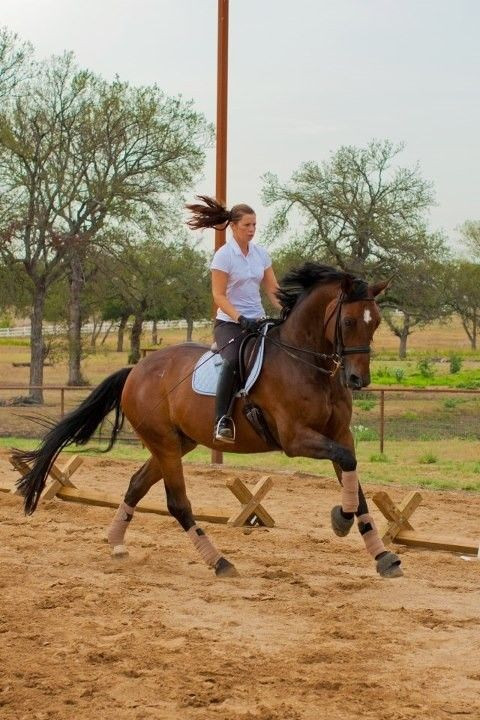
{"points": [[236, 247]]}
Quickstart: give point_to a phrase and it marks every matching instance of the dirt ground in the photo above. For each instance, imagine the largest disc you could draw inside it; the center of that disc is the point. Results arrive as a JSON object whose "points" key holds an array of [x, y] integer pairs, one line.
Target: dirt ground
{"points": [[308, 631]]}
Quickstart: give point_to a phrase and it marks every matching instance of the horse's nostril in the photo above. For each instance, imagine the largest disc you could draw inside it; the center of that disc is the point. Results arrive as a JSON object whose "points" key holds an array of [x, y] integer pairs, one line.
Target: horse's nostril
{"points": [[355, 382]]}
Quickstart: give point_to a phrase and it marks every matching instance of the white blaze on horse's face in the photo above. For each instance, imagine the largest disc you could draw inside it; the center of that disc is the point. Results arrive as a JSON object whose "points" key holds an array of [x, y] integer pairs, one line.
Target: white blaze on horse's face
{"points": [[367, 316]]}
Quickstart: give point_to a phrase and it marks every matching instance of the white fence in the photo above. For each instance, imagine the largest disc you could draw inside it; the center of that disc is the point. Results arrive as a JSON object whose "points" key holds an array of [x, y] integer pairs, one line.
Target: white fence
{"points": [[25, 330]]}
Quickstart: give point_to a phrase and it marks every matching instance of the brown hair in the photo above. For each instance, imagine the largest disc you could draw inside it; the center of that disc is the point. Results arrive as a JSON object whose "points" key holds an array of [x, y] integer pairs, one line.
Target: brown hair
{"points": [[212, 213]]}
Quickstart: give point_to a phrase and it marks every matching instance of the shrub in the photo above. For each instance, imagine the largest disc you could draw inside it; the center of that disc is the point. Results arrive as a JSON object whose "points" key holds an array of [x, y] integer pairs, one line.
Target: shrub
{"points": [[476, 467], [361, 432], [379, 457], [425, 367], [428, 459], [455, 363], [451, 403], [399, 374], [367, 404]]}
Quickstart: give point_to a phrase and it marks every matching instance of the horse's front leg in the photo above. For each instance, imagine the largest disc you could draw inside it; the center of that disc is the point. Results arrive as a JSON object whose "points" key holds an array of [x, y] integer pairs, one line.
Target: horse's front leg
{"points": [[388, 563], [309, 443], [306, 442]]}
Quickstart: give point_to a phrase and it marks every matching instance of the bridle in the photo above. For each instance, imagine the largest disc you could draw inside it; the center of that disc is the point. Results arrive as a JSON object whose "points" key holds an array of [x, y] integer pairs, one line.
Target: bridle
{"points": [[339, 345], [340, 350]]}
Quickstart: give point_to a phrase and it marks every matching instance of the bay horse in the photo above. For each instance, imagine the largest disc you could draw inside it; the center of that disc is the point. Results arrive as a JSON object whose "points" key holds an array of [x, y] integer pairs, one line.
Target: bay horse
{"points": [[314, 358]]}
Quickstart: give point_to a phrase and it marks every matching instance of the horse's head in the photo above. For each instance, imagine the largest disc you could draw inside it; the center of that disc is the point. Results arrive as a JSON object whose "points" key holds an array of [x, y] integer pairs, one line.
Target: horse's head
{"points": [[351, 319]]}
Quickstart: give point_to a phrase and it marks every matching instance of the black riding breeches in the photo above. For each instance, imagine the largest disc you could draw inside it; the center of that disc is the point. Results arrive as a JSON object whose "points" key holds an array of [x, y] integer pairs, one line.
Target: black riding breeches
{"points": [[224, 332]]}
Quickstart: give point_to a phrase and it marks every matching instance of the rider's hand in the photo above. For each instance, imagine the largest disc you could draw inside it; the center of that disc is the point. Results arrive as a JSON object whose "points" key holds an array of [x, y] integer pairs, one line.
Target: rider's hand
{"points": [[248, 324]]}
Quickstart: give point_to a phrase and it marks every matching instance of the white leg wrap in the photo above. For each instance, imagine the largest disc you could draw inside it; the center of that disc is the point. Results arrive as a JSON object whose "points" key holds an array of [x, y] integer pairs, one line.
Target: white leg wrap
{"points": [[371, 538], [349, 491], [207, 550], [120, 522]]}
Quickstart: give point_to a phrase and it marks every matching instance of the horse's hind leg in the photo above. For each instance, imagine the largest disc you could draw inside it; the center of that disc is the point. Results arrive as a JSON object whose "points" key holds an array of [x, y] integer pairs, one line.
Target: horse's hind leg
{"points": [[179, 507], [140, 484]]}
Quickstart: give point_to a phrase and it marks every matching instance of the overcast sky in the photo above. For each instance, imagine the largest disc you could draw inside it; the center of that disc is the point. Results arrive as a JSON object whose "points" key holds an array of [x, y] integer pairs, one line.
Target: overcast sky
{"points": [[306, 76]]}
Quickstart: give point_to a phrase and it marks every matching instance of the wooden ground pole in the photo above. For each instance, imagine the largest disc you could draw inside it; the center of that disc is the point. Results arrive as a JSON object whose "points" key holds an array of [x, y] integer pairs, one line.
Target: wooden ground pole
{"points": [[398, 529], [251, 513]]}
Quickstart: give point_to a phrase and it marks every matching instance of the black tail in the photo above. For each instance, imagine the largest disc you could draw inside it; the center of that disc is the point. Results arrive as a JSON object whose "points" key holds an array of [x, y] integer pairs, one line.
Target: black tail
{"points": [[76, 427]]}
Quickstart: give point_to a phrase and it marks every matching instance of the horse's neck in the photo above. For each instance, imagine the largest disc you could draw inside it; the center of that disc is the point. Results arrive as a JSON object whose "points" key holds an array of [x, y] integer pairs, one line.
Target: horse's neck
{"points": [[304, 327]]}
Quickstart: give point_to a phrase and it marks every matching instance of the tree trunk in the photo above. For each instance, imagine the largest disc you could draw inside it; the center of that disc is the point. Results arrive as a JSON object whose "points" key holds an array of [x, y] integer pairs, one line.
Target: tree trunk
{"points": [[97, 329], [189, 329], [474, 330], [135, 337], [107, 333], [75, 322], [36, 341], [121, 331], [154, 333], [403, 335]]}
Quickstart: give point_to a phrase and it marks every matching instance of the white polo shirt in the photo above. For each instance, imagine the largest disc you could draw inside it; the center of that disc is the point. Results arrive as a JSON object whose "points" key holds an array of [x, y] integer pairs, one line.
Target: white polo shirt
{"points": [[245, 273]]}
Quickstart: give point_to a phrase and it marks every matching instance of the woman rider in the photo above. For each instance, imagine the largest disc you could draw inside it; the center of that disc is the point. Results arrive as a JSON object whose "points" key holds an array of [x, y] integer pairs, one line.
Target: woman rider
{"points": [[239, 268]]}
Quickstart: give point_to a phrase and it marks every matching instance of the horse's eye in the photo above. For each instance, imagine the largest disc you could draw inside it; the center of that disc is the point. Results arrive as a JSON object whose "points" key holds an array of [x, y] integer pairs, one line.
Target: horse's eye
{"points": [[349, 322]]}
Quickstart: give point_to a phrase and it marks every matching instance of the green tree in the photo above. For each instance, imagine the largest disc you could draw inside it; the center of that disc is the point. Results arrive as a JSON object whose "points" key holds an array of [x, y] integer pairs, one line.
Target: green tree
{"points": [[136, 152], [15, 62], [14, 290], [140, 281], [470, 231], [77, 156], [462, 287], [357, 210], [31, 141], [415, 298], [192, 298]]}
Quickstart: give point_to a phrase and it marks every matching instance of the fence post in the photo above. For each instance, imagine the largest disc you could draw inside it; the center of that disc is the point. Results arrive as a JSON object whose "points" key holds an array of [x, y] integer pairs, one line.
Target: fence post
{"points": [[382, 419], [62, 402]]}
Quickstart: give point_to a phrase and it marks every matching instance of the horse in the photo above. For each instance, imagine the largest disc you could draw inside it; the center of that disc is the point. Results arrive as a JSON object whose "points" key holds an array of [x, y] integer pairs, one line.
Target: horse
{"points": [[314, 357]]}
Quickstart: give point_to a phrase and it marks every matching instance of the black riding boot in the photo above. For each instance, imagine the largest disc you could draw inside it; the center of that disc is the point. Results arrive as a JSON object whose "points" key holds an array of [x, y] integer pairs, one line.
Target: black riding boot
{"points": [[226, 388]]}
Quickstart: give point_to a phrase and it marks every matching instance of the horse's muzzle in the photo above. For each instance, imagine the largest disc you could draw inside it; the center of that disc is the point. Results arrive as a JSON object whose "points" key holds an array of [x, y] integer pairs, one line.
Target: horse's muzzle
{"points": [[356, 382]]}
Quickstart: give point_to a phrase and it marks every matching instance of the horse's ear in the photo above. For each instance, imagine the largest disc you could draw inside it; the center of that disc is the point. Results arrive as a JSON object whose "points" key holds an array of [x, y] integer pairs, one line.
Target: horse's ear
{"points": [[380, 287]]}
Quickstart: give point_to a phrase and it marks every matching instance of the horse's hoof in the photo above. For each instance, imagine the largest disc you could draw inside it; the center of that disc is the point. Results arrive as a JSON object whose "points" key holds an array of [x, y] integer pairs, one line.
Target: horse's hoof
{"points": [[119, 551], [388, 566], [341, 525], [224, 568]]}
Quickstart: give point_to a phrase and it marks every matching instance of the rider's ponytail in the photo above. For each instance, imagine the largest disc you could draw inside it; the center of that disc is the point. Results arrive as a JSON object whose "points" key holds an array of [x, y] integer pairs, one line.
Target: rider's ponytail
{"points": [[211, 213]]}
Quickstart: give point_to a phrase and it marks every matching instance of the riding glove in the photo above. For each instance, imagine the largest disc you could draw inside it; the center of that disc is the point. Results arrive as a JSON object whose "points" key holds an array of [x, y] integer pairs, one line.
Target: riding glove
{"points": [[248, 324]]}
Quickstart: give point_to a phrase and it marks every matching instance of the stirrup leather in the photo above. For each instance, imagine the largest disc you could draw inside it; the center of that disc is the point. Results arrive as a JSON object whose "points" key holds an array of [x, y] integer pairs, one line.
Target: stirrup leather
{"points": [[226, 424]]}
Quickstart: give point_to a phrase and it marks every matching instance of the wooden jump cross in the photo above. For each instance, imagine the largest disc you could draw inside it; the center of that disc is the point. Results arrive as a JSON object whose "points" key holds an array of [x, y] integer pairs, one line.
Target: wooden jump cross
{"points": [[398, 528], [251, 514]]}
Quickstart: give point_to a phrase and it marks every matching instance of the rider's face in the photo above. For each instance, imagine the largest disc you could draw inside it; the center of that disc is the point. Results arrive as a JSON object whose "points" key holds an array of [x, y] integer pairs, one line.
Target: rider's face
{"points": [[244, 230]]}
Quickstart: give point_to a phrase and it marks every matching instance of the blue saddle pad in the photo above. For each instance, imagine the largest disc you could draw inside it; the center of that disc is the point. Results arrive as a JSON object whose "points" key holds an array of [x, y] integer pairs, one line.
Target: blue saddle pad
{"points": [[207, 370]]}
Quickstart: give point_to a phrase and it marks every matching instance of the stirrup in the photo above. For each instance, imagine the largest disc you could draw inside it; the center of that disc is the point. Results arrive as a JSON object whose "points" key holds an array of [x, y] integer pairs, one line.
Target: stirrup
{"points": [[225, 430]]}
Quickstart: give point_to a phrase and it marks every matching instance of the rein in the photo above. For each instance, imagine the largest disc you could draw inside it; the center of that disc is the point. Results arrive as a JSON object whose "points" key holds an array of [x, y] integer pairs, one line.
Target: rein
{"points": [[340, 350]]}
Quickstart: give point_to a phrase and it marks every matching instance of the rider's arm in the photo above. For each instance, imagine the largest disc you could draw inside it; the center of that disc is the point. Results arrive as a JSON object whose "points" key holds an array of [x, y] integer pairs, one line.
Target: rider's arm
{"points": [[270, 285], [219, 292]]}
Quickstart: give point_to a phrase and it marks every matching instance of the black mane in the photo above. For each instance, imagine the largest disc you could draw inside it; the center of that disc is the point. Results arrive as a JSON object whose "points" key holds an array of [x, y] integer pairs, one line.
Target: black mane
{"points": [[299, 282]]}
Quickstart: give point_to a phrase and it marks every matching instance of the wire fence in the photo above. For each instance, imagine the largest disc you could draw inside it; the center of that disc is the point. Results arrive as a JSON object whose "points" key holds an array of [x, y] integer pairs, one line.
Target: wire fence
{"points": [[411, 414], [382, 415]]}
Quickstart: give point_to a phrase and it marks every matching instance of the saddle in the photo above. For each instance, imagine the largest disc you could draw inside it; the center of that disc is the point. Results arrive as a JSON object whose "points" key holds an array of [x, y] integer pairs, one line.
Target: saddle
{"points": [[251, 355]]}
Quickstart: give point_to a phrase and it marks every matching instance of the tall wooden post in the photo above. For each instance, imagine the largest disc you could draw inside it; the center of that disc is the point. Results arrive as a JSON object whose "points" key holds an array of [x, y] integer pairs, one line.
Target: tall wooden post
{"points": [[221, 131]]}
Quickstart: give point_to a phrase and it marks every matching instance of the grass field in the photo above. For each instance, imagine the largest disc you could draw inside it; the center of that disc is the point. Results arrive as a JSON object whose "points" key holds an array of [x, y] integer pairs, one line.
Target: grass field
{"points": [[430, 440]]}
